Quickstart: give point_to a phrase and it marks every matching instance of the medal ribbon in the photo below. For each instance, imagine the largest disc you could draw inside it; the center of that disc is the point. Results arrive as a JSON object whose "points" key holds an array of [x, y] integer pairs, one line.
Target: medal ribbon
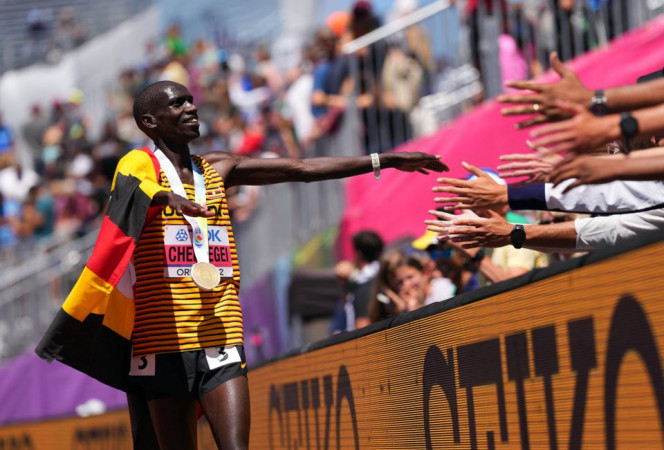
{"points": [[198, 224]]}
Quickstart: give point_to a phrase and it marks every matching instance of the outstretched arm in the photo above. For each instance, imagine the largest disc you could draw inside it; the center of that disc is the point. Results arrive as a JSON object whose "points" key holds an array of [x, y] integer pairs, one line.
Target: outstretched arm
{"points": [[602, 169], [494, 231], [258, 171]]}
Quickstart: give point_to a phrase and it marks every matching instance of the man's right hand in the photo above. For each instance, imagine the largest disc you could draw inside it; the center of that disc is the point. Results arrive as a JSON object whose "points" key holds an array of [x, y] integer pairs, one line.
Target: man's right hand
{"points": [[479, 193], [415, 161], [181, 205]]}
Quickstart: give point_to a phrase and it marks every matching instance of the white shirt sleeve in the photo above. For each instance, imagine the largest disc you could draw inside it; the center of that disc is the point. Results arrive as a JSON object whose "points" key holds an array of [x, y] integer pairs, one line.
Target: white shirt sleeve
{"points": [[614, 197], [601, 232]]}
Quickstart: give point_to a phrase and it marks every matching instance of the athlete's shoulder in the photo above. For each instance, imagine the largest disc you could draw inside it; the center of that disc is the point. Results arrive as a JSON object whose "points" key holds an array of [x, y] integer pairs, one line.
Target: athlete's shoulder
{"points": [[215, 157]]}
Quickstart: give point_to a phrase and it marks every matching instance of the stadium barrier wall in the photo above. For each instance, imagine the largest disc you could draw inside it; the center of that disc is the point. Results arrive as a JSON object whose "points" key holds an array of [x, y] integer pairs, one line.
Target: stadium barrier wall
{"points": [[564, 357], [109, 431]]}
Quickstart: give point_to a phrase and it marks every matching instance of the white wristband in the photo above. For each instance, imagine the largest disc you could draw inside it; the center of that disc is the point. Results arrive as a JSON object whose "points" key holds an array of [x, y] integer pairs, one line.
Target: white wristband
{"points": [[375, 163]]}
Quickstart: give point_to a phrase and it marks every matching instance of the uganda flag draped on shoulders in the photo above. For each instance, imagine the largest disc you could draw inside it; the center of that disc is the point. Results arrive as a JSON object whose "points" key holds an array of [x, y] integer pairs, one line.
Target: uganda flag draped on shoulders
{"points": [[92, 331]]}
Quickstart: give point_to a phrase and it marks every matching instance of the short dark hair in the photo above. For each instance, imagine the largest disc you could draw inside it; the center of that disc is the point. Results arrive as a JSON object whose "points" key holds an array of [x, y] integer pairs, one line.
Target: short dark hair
{"points": [[143, 104], [368, 244]]}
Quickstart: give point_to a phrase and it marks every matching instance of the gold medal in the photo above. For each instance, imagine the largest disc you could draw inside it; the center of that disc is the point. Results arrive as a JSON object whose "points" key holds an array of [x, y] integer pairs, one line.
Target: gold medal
{"points": [[205, 275]]}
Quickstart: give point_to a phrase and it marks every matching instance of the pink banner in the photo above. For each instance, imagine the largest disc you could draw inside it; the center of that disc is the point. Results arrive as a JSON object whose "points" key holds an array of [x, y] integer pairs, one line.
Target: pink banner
{"points": [[397, 205]]}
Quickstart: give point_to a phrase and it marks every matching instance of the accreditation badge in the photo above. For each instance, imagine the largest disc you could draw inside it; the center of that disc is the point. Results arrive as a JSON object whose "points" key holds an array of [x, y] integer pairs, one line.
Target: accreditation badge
{"points": [[179, 257]]}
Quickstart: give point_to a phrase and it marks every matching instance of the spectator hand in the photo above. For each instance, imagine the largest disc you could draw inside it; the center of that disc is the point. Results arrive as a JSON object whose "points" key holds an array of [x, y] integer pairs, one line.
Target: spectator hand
{"points": [[415, 161], [535, 166], [587, 170], [471, 230], [542, 104], [479, 193], [583, 133]]}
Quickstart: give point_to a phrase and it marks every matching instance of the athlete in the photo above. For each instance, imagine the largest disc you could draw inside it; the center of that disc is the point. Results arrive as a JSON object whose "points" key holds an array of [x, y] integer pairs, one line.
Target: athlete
{"points": [[167, 249]]}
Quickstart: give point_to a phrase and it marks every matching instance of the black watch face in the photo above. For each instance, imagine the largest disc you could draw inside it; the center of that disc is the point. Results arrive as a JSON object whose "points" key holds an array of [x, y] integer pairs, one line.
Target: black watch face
{"points": [[518, 236], [599, 109], [629, 126]]}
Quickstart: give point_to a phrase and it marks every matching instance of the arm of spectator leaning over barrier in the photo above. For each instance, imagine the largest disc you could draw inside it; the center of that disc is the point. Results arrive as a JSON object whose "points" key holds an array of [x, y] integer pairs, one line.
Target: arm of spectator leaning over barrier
{"points": [[585, 132], [492, 230], [614, 197], [541, 102], [599, 232], [582, 234], [602, 169]]}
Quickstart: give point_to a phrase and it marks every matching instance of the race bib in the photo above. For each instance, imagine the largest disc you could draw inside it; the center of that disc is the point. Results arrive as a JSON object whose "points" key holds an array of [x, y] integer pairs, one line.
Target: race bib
{"points": [[220, 356], [142, 366], [179, 252]]}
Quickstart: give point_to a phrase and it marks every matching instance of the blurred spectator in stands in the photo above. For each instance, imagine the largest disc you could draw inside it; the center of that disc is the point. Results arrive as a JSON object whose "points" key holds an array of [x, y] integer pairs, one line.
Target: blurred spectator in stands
{"points": [[37, 217], [385, 302], [278, 130], [37, 23], [266, 69], [297, 97], [33, 133], [248, 91], [176, 70], [343, 271], [402, 85], [328, 100], [480, 14], [415, 39], [10, 210], [412, 278], [358, 278], [451, 262], [367, 248], [69, 32], [174, 42], [6, 143], [108, 151], [16, 181]]}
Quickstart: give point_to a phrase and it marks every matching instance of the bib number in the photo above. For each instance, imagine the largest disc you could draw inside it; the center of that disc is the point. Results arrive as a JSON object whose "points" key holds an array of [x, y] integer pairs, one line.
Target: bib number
{"points": [[220, 356]]}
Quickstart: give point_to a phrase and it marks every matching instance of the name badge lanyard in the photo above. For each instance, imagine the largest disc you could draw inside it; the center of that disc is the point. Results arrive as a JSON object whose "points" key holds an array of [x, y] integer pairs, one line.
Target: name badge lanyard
{"points": [[198, 224]]}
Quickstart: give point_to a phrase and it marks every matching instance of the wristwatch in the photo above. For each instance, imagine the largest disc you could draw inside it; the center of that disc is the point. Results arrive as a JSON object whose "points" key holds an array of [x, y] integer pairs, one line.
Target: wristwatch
{"points": [[598, 104], [518, 236], [629, 127]]}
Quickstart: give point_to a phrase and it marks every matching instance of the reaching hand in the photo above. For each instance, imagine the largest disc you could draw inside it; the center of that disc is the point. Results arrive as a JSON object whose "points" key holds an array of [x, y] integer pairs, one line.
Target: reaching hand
{"points": [[471, 230], [535, 166], [583, 133], [479, 193], [542, 104], [587, 170], [416, 161]]}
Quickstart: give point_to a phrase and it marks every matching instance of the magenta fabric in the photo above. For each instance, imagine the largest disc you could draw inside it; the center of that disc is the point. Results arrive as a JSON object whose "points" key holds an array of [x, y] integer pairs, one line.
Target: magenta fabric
{"points": [[32, 389], [397, 205]]}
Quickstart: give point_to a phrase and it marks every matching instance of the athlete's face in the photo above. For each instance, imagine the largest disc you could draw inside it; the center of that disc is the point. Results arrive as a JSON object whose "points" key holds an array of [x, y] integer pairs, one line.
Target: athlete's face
{"points": [[175, 114]]}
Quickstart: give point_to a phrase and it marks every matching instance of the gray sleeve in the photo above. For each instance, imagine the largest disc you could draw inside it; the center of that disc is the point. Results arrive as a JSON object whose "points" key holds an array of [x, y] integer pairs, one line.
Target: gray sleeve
{"points": [[602, 232], [614, 197]]}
